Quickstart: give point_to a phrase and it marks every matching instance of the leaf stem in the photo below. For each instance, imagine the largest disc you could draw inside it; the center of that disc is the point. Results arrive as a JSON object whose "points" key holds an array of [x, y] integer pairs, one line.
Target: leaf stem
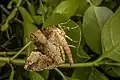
{"points": [[99, 59], [60, 73], [112, 64], [88, 64], [12, 53]]}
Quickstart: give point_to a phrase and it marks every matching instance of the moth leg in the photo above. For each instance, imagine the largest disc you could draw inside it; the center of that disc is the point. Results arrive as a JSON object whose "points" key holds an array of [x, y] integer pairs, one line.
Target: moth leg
{"points": [[68, 52], [69, 38], [72, 46], [62, 41], [62, 53]]}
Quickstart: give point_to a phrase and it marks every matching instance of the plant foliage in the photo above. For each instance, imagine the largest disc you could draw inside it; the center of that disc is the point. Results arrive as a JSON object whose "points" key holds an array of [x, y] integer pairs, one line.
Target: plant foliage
{"points": [[93, 28]]}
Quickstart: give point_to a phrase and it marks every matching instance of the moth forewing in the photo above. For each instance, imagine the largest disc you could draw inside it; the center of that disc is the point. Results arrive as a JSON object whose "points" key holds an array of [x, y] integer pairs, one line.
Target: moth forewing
{"points": [[50, 47]]}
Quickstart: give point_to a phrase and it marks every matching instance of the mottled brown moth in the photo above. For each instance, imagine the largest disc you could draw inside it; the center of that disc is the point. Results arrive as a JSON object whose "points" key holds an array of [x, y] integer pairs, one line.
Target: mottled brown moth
{"points": [[50, 46]]}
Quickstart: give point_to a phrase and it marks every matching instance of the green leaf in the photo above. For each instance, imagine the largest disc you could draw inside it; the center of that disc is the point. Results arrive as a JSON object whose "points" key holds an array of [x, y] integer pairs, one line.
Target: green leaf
{"points": [[35, 76], [111, 37], [82, 8], [110, 4], [113, 53], [44, 74], [82, 73], [38, 19], [49, 11], [116, 70], [2, 64], [112, 70], [25, 74], [4, 17], [93, 21], [4, 26], [46, 1], [28, 29], [12, 15], [74, 32], [16, 1], [67, 8], [25, 15], [12, 73], [54, 3], [54, 19], [42, 8], [83, 56], [9, 6], [96, 2], [88, 74], [30, 8], [69, 78]]}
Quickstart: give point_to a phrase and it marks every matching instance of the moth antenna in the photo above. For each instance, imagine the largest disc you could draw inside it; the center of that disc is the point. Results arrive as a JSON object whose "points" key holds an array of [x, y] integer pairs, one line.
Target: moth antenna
{"points": [[69, 38]]}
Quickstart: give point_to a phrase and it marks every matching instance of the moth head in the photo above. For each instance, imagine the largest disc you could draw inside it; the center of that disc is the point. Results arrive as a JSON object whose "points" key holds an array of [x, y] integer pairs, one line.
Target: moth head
{"points": [[38, 37]]}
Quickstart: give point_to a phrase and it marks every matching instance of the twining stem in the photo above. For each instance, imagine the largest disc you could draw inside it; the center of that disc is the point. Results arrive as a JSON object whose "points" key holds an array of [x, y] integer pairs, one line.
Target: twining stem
{"points": [[15, 61], [21, 50], [11, 77], [88, 64], [60, 73]]}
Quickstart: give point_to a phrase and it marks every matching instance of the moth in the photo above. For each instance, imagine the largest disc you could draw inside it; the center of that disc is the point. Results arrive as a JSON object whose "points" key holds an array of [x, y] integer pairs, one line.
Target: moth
{"points": [[50, 48]]}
